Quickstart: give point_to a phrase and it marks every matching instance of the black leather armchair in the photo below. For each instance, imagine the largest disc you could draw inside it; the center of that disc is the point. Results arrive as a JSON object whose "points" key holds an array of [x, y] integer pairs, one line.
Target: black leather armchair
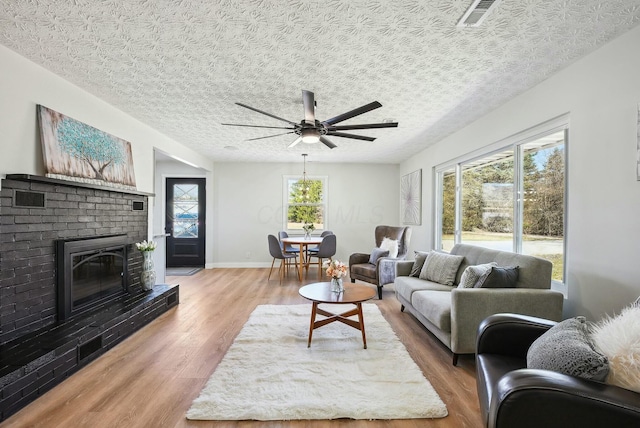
{"points": [[360, 268], [513, 396]]}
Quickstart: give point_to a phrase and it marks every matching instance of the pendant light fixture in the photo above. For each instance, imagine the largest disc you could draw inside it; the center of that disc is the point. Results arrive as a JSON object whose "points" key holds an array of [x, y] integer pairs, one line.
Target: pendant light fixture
{"points": [[305, 185]]}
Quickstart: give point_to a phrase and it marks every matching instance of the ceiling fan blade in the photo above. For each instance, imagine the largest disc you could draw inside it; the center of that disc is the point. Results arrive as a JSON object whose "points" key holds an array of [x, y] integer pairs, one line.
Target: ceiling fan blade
{"points": [[268, 136], [256, 126], [354, 136], [309, 103], [267, 114], [327, 142], [366, 126], [297, 140], [348, 115]]}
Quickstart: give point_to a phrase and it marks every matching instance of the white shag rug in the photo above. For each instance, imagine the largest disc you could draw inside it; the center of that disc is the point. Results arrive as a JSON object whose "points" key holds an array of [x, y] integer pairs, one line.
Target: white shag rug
{"points": [[270, 374]]}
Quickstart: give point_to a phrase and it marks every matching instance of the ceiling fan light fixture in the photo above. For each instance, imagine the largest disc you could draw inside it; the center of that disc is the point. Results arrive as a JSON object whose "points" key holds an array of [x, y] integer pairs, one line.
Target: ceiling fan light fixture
{"points": [[310, 136]]}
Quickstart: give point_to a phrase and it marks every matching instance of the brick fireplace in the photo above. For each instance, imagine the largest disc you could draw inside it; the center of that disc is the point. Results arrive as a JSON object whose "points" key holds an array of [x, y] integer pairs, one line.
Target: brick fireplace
{"points": [[38, 347]]}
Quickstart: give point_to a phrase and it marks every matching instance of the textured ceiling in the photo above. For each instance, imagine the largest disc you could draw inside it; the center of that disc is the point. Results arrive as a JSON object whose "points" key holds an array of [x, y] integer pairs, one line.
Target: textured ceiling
{"points": [[179, 66]]}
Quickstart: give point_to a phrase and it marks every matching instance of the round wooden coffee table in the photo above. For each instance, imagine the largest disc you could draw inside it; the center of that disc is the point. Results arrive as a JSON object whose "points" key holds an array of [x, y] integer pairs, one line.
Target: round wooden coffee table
{"points": [[320, 292]]}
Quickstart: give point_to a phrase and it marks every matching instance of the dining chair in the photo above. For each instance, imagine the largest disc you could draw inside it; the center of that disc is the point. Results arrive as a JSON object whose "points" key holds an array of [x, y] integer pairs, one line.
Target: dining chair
{"points": [[287, 248], [326, 250], [315, 248], [275, 249]]}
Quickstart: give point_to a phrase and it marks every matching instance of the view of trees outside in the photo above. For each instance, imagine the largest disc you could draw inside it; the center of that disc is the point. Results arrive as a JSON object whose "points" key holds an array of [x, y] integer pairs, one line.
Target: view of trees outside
{"points": [[306, 203], [488, 205], [448, 208]]}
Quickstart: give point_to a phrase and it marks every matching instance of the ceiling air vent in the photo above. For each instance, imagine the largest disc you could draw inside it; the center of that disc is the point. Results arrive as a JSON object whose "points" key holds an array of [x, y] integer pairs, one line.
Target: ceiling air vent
{"points": [[476, 13]]}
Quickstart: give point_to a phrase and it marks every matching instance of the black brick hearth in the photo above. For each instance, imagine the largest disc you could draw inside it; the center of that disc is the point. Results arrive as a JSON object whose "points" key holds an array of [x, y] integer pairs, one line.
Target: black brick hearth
{"points": [[37, 351], [36, 362]]}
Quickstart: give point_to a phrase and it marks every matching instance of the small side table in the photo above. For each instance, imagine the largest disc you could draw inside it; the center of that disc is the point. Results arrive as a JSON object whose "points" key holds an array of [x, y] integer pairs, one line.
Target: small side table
{"points": [[320, 292]]}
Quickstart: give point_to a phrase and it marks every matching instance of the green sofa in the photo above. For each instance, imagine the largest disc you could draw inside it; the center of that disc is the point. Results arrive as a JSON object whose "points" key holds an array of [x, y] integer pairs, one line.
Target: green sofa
{"points": [[453, 314]]}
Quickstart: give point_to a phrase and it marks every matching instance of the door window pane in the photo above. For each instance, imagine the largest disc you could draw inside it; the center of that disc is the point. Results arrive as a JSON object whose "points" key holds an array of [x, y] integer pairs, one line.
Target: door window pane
{"points": [[487, 201], [185, 211], [543, 200]]}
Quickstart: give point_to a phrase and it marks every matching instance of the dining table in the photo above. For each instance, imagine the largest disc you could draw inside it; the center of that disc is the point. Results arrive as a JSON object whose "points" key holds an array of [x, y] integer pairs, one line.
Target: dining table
{"points": [[302, 243]]}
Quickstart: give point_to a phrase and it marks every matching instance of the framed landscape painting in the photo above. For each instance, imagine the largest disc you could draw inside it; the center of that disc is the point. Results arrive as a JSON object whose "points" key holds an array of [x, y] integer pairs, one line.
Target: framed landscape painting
{"points": [[76, 151], [411, 198]]}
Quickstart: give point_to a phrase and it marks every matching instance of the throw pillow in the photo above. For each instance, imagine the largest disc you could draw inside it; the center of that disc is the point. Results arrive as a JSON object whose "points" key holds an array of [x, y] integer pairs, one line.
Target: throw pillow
{"points": [[420, 257], [618, 339], [390, 245], [376, 253], [473, 274], [441, 268], [567, 348], [500, 277]]}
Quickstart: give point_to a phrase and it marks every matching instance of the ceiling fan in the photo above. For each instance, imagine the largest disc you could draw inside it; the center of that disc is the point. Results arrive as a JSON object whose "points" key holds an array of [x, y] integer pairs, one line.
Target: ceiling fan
{"points": [[310, 130]]}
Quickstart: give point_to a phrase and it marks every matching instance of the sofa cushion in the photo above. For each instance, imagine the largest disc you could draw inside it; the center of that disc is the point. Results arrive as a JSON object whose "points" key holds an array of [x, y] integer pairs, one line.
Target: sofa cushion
{"points": [[376, 253], [405, 286], [618, 339], [441, 267], [500, 277], [390, 245], [420, 257], [475, 274], [567, 348], [435, 306], [364, 269]]}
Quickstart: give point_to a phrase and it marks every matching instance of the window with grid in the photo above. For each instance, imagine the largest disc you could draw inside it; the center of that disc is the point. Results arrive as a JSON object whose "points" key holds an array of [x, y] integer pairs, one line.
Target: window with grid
{"points": [[305, 202]]}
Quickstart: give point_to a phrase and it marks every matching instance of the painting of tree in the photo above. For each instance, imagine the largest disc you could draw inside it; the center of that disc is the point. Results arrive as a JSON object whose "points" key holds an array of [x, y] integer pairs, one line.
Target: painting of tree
{"points": [[77, 151], [82, 142]]}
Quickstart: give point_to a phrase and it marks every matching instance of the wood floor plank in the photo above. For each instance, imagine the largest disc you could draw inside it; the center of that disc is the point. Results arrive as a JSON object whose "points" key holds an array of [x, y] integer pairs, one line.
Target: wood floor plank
{"points": [[151, 378]]}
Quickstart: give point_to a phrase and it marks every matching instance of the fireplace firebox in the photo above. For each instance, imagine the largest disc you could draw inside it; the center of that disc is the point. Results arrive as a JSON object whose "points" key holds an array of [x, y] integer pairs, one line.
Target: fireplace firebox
{"points": [[90, 272]]}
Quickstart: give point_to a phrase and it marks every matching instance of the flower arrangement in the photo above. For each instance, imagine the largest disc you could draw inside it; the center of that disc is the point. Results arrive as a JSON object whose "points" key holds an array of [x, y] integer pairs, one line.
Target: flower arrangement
{"points": [[308, 227], [335, 268], [146, 246]]}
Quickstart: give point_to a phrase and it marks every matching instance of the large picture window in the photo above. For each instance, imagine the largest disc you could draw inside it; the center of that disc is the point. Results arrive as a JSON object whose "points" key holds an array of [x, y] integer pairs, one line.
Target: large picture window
{"points": [[305, 202], [510, 198]]}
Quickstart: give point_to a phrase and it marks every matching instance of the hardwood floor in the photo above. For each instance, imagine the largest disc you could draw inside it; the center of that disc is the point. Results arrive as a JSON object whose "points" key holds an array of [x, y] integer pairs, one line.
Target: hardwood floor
{"points": [[151, 378]]}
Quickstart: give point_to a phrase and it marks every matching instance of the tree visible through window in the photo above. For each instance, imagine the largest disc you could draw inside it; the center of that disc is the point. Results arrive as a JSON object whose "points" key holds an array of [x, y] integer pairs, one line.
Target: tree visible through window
{"points": [[511, 200], [305, 203]]}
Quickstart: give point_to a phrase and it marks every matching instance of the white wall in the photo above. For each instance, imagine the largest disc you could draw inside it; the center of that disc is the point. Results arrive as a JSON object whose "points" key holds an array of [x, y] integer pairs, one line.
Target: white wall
{"points": [[600, 93], [24, 84], [248, 207]]}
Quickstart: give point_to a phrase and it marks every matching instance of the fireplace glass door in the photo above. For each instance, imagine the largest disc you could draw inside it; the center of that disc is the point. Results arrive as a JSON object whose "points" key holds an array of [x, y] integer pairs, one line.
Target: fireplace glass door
{"points": [[96, 275]]}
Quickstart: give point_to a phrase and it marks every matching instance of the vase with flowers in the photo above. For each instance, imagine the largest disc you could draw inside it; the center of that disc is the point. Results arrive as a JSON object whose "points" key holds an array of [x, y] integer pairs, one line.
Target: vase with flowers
{"points": [[336, 270], [148, 277], [308, 228]]}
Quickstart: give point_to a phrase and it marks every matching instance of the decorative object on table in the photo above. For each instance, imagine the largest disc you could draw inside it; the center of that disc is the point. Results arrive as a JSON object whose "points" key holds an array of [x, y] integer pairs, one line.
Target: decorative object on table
{"points": [[325, 383], [311, 131], [308, 228], [76, 151], [148, 277], [411, 197], [336, 270]]}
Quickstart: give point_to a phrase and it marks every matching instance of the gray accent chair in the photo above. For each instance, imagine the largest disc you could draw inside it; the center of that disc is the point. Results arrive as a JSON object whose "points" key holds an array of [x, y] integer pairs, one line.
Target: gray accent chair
{"points": [[453, 314], [383, 271]]}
